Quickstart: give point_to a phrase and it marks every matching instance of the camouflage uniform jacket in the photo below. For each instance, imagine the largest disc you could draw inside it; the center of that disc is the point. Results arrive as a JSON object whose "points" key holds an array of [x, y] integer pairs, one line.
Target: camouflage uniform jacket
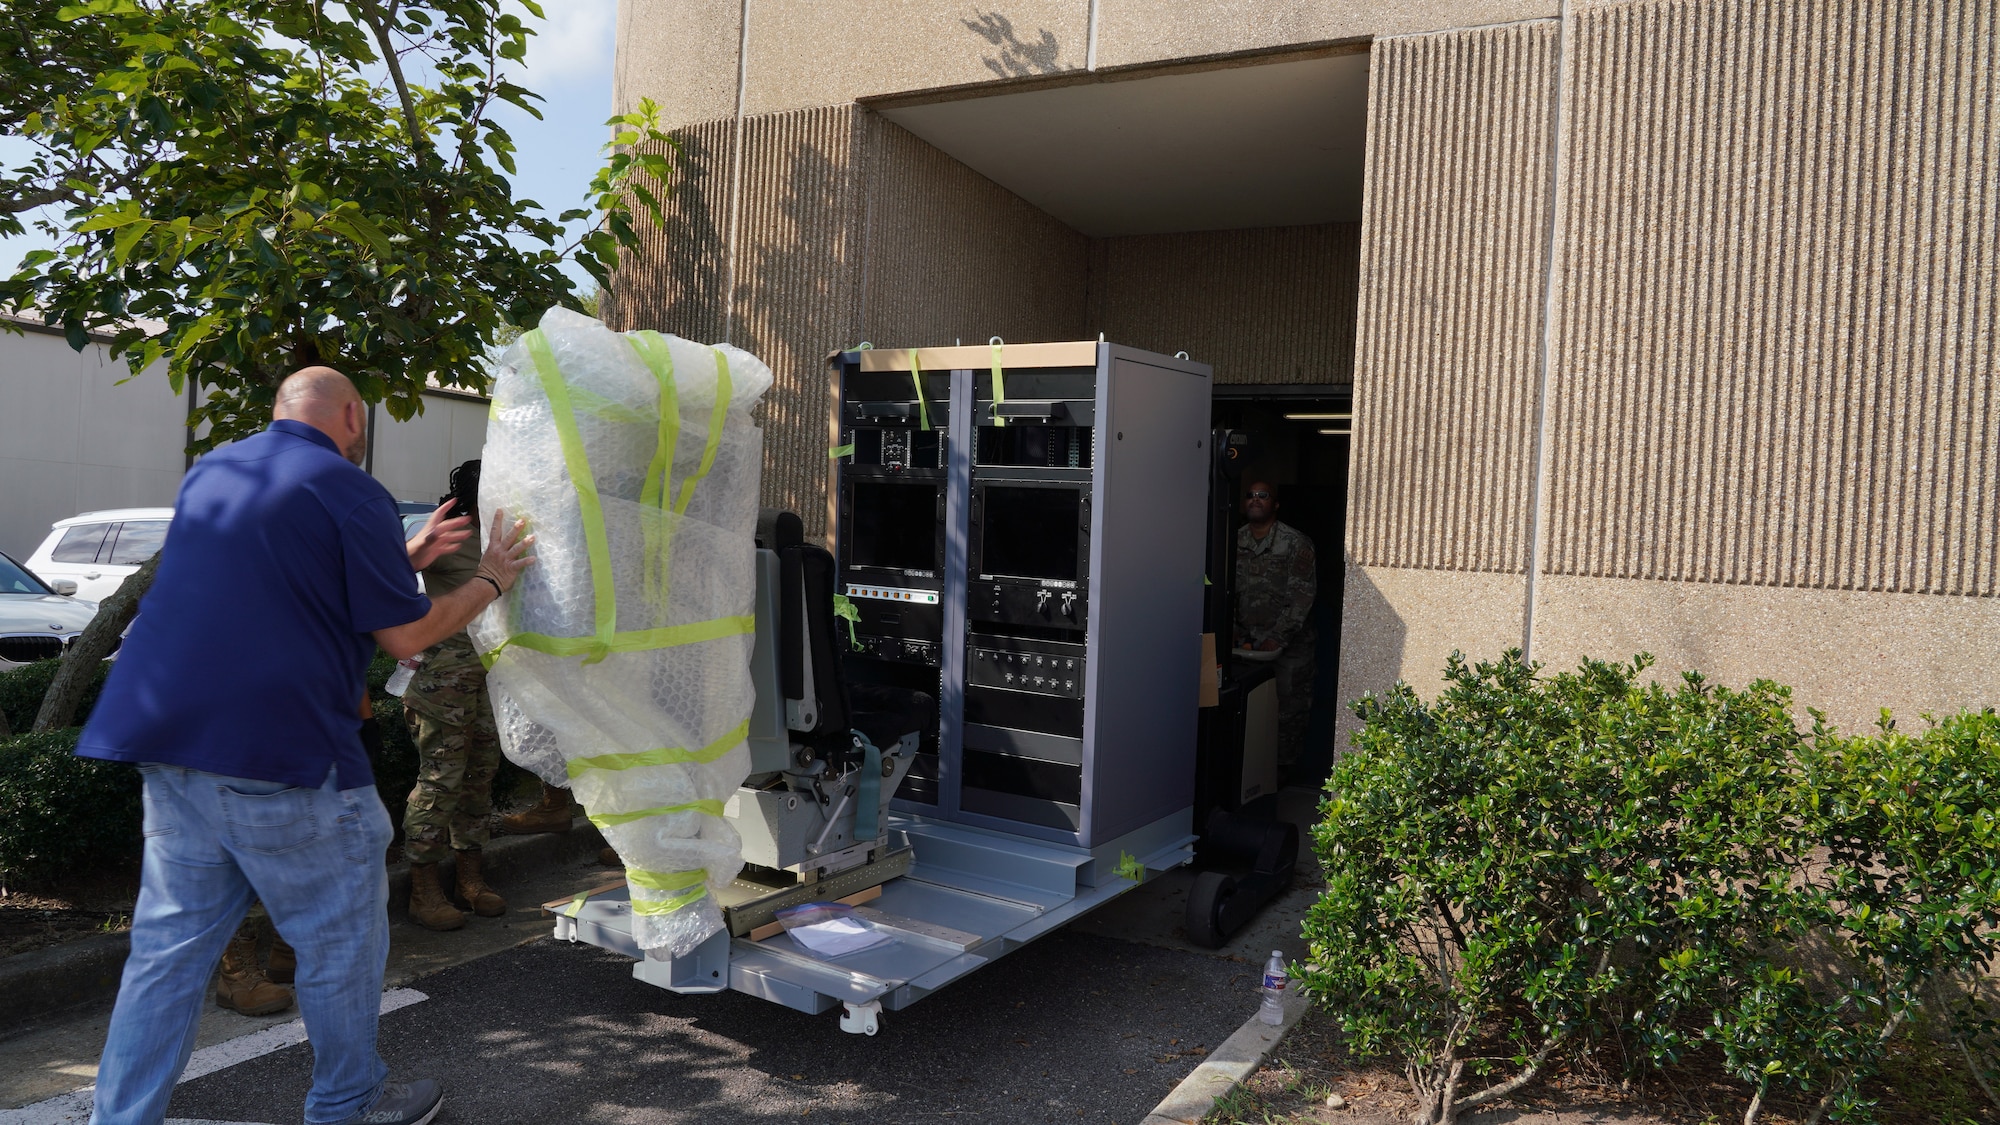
{"points": [[452, 661], [1275, 583]]}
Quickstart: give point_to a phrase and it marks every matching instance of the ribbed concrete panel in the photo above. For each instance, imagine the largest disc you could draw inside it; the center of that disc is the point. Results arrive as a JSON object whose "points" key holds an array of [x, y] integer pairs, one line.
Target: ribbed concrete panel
{"points": [[798, 235], [1270, 305], [1775, 358], [1454, 241], [951, 255], [677, 281]]}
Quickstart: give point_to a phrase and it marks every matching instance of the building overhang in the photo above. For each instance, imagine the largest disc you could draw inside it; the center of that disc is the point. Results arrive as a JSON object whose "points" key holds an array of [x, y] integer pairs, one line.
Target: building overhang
{"points": [[1259, 142]]}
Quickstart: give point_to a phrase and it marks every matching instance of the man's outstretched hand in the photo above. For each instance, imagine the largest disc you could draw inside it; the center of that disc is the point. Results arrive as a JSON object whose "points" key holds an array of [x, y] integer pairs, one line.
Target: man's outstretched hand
{"points": [[441, 534], [506, 551]]}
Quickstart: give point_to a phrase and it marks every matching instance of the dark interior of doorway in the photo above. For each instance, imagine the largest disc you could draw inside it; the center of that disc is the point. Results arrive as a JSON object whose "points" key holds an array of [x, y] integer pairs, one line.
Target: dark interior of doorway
{"points": [[1299, 444]]}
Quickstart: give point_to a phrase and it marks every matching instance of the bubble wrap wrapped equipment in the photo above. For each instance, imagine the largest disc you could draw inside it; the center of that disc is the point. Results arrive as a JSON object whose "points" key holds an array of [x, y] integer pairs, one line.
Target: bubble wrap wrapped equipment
{"points": [[620, 663]]}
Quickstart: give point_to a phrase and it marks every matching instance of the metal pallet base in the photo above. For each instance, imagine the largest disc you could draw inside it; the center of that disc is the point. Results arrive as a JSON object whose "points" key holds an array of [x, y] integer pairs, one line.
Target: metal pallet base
{"points": [[971, 896]]}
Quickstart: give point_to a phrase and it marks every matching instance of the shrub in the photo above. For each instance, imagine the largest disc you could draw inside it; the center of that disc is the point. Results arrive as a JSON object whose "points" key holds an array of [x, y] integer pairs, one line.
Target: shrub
{"points": [[22, 689], [64, 813], [1533, 862]]}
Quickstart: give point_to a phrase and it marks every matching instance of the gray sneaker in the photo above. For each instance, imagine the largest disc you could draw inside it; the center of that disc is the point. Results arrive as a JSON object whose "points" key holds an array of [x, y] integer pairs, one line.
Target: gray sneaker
{"points": [[403, 1103]]}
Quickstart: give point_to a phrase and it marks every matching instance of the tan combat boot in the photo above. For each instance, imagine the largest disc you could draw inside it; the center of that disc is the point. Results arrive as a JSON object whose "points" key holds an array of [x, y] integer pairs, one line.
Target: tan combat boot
{"points": [[552, 813], [472, 888], [283, 963], [242, 987], [428, 906]]}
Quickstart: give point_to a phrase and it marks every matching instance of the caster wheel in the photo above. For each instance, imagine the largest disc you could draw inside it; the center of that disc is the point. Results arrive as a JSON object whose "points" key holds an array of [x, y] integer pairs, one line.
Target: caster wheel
{"points": [[1211, 889]]}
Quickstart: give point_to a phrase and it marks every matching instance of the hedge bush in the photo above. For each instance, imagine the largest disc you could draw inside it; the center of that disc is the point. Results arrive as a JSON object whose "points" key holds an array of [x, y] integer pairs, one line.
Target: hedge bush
{"points": [[64, 813], [22, 689], [1532, 863]]}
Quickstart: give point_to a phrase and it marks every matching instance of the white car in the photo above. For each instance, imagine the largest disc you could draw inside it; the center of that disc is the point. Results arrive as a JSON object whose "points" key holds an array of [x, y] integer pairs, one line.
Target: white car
{"points": [[35, 621], [97, 550]]}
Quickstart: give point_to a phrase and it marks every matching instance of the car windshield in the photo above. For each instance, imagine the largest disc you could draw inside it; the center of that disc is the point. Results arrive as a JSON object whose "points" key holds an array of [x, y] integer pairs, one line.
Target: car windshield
{"points": [[14, 580]]}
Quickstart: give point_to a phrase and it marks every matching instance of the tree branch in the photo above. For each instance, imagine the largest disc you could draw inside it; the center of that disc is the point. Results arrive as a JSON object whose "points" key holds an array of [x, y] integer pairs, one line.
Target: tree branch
{"points": [[1826, 1102], [98, 639], [377, 23], [1501, 1090], [15, 203], [1978, 1075]]}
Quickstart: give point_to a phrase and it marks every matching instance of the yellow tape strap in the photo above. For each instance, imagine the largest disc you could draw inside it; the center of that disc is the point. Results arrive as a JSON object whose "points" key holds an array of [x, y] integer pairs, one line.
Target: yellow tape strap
{"points": [[664, 756], [917, 381], [999, 387], [575, 906], [639, 640], [613, 820], [691, 885], [716, 417], [654, 352], [839, 451], [596, 543], [667, 906]]}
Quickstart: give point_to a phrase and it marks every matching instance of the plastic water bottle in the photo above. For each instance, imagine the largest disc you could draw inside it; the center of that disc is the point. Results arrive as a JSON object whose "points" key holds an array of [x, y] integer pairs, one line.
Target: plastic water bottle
{"points": [[1272, 1011], [399, 680]]}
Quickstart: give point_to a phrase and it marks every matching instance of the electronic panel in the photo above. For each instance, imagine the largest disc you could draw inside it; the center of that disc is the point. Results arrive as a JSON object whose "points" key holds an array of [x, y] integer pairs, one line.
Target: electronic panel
{"points": [[893, 479], [1066, 559]]}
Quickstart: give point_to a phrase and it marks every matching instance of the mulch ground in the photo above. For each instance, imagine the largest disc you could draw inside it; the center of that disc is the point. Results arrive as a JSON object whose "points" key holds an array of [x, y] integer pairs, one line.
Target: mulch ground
{"points": [[1922, 1083], [95, 902]]}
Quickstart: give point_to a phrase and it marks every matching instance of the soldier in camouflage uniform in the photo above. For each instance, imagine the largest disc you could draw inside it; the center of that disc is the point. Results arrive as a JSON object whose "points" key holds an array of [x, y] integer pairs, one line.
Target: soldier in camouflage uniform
{"points": [[1276, 579], [451, 722]]}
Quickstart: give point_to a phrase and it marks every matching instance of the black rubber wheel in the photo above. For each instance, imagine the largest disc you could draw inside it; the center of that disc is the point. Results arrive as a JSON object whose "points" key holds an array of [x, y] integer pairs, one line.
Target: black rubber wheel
{"points": [[1205, 899]]}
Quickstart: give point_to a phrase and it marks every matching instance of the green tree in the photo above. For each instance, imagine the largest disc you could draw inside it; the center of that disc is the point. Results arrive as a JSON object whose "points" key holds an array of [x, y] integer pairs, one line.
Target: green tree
{"points": [[242, 189]]}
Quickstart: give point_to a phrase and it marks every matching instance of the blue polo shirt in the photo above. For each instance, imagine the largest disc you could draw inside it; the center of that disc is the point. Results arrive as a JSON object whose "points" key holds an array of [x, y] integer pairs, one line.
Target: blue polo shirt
{"points": [[250, 651]]}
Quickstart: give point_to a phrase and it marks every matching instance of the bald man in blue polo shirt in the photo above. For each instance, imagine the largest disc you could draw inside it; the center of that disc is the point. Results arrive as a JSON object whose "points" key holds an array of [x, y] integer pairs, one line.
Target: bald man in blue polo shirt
{"points": [[237, 693]]}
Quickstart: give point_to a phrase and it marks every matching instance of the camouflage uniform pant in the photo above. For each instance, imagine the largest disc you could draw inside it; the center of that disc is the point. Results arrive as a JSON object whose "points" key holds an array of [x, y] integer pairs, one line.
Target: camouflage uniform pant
{"points": [[1294, 671], [451, 722]]}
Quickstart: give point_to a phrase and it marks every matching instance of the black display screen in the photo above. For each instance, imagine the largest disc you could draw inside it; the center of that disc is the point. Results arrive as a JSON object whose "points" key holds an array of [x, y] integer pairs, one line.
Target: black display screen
{"points": [[1030, 532], [894, 525]]}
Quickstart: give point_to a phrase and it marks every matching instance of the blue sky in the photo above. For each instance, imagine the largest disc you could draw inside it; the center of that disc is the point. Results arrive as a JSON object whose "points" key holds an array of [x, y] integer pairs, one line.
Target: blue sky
{"points": [[569, 64]]}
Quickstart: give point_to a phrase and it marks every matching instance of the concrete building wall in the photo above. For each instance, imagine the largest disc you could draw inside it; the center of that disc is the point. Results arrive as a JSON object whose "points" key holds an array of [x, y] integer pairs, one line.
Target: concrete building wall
{"points": [[414, 458], [1766, 418], [1454, 240], [1264, 305], [804, 54], [1673, 319], [79, 434], [1773, 395], [72, 439]]}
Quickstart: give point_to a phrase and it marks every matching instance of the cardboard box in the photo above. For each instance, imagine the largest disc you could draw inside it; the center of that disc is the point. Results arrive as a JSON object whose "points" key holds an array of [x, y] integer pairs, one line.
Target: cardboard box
{"points": [[1211, 672]]}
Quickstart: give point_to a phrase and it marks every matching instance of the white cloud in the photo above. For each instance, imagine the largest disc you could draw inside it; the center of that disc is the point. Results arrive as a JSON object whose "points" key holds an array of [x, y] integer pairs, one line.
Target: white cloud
{"points": [[577, 40]]}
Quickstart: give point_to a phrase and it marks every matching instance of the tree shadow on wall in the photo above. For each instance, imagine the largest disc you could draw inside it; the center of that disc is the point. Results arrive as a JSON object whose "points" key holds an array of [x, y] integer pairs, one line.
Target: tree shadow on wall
{"points": [[1018, 58], [1372, 638], [677, 281], [797, 298]]}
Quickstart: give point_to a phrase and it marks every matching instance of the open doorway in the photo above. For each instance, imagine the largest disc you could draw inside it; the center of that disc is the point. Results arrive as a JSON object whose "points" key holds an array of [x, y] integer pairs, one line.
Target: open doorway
{"points": [[1299, 442], [1219, 204]]}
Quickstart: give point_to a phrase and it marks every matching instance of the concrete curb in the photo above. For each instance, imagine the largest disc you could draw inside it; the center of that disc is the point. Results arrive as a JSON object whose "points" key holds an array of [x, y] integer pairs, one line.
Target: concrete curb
{"points": [[1227, 1067], [47, 981]]}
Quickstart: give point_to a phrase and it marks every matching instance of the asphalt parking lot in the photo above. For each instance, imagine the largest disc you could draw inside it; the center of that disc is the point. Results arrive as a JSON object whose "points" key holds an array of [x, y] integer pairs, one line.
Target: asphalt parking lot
{"points": [[1073, 1028]]}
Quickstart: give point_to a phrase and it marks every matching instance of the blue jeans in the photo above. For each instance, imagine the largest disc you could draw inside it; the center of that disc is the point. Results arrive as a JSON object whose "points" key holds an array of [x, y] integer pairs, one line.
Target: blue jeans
{"points": [[315, 856]]}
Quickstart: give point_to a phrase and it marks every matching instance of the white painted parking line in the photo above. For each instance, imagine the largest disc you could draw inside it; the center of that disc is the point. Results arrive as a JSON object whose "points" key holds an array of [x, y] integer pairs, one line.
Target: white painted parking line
{"points": [[73, 1108]]}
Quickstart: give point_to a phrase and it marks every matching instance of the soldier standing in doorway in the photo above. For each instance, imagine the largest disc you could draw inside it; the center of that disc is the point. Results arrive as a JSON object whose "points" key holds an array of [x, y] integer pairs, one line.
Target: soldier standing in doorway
{"points": [[458, 749], [1275, 583]]}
